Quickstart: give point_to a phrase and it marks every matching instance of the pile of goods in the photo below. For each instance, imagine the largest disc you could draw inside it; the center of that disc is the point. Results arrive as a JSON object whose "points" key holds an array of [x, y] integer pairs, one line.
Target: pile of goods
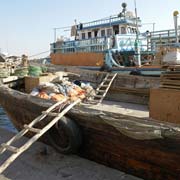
{"points": [[34, 71], [64, 89]]}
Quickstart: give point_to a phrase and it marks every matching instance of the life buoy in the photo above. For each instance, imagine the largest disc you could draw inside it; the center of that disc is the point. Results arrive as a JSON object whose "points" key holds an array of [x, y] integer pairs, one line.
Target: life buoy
{"points": [[65, 136]]}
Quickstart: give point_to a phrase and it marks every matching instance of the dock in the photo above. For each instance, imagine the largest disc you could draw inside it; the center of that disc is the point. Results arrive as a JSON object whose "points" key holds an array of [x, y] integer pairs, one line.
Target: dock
{"points": [[43, 162]]}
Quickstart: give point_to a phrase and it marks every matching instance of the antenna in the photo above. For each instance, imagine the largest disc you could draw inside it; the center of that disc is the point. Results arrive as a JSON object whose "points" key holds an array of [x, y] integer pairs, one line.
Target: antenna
{"points": [[123, 13]]}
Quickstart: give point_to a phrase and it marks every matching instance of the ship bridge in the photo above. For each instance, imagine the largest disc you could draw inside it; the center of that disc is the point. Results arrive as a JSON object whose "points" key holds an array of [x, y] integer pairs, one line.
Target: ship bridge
{"points": [[108, 26]]}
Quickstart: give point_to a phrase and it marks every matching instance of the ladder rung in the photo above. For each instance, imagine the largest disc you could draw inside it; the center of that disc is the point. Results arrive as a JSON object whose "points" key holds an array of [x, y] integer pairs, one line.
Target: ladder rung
{"points": [[10, 148], [110, 75], [98, 96], [50, 114], [35, 130], [104, 86], [101, 91], [94, 102]]}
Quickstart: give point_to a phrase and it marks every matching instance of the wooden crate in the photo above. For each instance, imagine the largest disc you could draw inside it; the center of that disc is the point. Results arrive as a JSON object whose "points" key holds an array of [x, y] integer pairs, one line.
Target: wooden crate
{"points": [[165, 105], [32, 82]]}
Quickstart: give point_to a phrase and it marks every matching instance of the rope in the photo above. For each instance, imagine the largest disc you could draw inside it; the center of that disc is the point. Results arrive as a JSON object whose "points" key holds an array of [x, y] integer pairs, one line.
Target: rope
{"points": [[39, 54]]}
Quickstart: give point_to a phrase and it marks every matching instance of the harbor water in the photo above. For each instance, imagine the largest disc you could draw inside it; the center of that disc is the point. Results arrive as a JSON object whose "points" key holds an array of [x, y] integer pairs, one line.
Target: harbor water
{"points": [[5, 121]]}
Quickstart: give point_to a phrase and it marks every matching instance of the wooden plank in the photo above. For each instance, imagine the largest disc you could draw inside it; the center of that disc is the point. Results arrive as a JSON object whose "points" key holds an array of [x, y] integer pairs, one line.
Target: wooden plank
{"points": [[171, 82], [9, 79], [170, 75], [133, 90], [170, 87]]}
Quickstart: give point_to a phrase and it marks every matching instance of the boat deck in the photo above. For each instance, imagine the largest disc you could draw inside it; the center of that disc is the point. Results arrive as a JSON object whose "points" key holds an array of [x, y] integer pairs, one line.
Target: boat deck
{"points": [[129, 109]]}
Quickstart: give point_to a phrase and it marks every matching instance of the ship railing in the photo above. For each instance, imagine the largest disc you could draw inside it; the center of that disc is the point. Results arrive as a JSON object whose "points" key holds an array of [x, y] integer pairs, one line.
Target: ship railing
{"points": [[99, 45], [160, 36], [170, 44], [88, 45], [127, 42], [110, 20]]}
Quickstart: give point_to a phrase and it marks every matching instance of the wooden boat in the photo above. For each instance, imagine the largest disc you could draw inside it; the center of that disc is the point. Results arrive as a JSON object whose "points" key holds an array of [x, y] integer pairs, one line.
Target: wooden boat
{"points": [[119, 135]]}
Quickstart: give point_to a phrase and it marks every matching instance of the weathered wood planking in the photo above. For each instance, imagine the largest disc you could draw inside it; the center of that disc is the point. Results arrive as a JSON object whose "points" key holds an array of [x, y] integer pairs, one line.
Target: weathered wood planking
{"points": [[150, 159]]}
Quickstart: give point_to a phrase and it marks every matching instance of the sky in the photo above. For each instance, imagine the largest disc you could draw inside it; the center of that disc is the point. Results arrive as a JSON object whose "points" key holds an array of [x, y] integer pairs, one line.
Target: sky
{"points": [[26, 26]]}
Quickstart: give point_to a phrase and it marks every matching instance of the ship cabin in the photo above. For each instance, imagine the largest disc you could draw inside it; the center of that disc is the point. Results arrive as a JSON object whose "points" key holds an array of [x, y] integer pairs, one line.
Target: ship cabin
{"points": [[108, 27], [97, 36]]}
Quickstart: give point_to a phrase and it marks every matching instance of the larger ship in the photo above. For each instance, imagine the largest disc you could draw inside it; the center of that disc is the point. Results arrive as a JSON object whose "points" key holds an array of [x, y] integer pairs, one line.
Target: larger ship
{"points": [[110, 42]]}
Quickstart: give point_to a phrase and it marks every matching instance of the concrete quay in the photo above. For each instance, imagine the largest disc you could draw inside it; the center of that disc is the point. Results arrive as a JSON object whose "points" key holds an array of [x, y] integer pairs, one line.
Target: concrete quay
{"points": [[43, 162]]}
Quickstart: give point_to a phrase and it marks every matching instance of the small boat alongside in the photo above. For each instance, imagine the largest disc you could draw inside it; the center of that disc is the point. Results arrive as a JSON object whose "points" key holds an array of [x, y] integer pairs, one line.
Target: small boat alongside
{"points": [[106, 43], [114, 43]]}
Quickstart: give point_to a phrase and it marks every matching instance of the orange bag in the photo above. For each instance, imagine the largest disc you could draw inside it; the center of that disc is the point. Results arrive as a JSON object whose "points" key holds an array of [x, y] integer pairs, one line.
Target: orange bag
{"points": [[73, 98], [57, 97], [82, 96], [43, 95]]}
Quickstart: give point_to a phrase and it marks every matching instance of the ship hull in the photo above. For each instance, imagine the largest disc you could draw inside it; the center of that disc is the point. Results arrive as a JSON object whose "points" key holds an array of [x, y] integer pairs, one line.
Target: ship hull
{"points": [[78, 59]]}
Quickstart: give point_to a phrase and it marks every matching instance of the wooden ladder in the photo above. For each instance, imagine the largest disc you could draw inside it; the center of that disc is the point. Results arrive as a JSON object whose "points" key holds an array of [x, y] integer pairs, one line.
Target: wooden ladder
{"points": [[38, 132], [103, 88]]}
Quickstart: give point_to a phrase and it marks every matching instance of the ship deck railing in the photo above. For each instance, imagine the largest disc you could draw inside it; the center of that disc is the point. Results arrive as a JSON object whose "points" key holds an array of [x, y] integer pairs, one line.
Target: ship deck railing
{"points": [[86, 45], [99, 44], [110, 21], [168, 35]]}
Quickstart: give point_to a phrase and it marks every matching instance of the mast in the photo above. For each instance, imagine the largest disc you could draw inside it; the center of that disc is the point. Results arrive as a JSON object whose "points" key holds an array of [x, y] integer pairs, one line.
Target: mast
{"points": [[175, 14], [138, 54]]}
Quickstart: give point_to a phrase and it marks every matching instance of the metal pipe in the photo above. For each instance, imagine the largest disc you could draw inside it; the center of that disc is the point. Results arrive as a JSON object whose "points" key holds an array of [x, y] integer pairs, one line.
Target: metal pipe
{"points": [[175, 14], [137, 38]]}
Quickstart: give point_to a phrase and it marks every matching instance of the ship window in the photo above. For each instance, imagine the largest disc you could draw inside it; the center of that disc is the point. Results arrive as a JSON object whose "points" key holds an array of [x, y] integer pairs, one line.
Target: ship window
{"points": [[103, 33], [83, 36], [134, 30], [109, 32], [95, 33], [89, 35], [123, 30], [129, 30], [116, 29]]}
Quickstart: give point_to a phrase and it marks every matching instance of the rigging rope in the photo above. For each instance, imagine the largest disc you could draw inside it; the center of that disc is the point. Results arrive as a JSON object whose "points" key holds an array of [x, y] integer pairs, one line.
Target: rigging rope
{"points": [[39, 54]]}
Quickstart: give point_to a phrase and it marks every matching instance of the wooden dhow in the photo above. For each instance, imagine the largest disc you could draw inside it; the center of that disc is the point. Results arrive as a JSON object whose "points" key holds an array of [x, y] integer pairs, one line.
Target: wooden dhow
{"points": [[118, 134]]}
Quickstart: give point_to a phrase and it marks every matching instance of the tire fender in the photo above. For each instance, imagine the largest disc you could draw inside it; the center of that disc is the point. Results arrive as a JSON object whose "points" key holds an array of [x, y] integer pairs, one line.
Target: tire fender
{"points": [[65, 136]]}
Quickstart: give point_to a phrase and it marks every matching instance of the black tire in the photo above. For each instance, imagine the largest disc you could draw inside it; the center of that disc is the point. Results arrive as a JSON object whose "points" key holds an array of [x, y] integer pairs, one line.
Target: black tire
{"points": [[105, 68], [135, 72], [65, 136]]}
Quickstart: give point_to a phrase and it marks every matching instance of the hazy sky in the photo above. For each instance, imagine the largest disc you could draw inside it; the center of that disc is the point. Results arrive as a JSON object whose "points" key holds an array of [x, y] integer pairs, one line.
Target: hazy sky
{"points": [[26, 26]]}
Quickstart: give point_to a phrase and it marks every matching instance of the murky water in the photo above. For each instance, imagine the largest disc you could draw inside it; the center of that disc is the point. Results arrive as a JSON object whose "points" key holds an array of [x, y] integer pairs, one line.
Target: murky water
{"points": [[5, 122]]}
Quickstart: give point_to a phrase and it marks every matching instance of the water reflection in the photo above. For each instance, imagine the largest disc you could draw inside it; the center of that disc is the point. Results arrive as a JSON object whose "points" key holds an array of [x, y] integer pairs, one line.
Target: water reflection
{"points": [[5, 122]]}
